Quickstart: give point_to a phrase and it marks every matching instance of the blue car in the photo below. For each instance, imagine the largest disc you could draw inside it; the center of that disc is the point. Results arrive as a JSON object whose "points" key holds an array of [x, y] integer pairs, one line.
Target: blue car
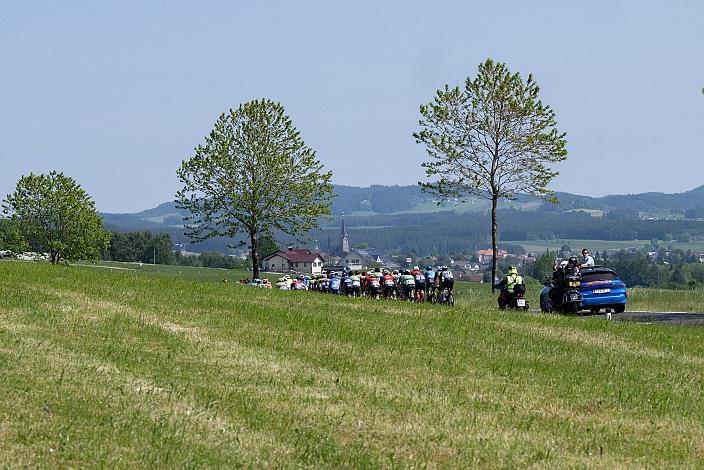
{"points": [[601, 288]]}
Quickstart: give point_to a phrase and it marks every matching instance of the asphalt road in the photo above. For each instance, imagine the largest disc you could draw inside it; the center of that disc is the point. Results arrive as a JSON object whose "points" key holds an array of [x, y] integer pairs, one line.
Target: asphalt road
{"points": [[667, 318]]}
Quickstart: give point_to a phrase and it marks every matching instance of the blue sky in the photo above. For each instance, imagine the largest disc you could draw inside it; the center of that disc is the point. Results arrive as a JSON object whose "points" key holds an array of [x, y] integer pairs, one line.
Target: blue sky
{"points": [[116, 94]]}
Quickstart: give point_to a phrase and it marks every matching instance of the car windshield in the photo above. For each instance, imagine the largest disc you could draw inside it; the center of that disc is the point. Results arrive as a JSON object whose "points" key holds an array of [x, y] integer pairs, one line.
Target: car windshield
{"points": [[599, 276]]}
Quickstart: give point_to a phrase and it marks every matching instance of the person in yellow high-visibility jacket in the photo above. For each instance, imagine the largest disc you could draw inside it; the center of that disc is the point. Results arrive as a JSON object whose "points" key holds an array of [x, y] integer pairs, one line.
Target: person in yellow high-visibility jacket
{"points": [[508, 285]]}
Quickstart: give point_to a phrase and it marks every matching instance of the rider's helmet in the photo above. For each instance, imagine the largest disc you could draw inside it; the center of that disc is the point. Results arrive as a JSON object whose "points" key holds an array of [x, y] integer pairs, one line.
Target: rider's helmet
{"points": [[429, 268], [573, 260], [416, 268], [443, 268], [512, 270]]}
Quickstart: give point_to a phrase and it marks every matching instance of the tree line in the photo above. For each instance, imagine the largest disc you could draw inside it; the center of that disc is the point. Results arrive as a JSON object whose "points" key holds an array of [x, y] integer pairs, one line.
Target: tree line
{"points": [[148, 247], [652, 266]]}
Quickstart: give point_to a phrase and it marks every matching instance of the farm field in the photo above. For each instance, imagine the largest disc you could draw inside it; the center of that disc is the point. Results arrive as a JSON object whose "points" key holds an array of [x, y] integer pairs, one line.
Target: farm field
{"points": [[106, 368], [539, 246]]}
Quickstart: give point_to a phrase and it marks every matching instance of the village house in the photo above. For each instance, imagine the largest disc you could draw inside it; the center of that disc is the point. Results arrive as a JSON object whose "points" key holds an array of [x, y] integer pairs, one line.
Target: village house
{"points": [[464, 265], [485, 256], [300, 260], [357, 259], [524, 259]]}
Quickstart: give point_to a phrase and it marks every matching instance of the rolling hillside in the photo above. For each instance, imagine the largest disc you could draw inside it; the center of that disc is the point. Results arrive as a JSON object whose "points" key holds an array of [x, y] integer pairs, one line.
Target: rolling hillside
{"points": [[389, 200], [402, 219]]}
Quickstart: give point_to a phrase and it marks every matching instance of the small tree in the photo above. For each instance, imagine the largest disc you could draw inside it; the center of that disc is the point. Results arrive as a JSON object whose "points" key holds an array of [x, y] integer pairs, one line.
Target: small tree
{"points": [[267, 245], [493, 139], [10, 237], [252, 175], [55, 214]]}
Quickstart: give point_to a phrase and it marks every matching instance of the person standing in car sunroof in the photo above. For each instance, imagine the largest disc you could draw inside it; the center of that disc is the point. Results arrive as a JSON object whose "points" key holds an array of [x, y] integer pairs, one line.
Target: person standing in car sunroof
{"points": [[587, 259]]}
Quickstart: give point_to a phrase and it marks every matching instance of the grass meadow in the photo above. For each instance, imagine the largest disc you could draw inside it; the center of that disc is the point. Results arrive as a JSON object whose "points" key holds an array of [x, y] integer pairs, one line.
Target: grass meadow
{"points": [[469, 294], [121, 369]]}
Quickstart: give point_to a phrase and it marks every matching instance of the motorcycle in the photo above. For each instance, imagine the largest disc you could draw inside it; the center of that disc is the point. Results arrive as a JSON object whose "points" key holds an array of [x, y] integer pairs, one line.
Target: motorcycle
{"points": [[561, 294], [516, 300]]}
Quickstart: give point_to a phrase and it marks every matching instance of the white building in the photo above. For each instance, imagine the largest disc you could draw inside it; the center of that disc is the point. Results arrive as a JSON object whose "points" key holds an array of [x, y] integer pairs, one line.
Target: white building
{"points": [[294, 259], [358, 259]]}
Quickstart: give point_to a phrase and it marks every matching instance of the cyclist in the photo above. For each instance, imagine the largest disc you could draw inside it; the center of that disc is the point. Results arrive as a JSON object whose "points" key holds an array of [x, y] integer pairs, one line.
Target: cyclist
{"points": [[408, 284], [429, 282], [355, 286], [334, 286], [388, 284], [419, 276], [447, 282]]}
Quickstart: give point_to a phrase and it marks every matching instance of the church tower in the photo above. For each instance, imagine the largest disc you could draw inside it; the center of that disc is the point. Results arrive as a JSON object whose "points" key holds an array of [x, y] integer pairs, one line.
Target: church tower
{"points": [[344, 239]]}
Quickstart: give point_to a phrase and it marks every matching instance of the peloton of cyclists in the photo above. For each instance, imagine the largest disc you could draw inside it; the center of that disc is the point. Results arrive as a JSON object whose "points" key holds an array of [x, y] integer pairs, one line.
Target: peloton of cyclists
{"points": [[412, 284]]}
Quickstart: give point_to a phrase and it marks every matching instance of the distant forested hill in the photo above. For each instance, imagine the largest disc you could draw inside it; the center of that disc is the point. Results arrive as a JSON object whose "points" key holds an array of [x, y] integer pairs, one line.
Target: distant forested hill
{"points": [[379, 199], [402, 218]]}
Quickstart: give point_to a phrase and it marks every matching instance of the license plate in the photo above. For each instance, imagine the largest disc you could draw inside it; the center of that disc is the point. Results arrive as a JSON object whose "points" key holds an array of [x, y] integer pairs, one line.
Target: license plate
{"points": [[521, 302], [602, 291], [574, 296]]}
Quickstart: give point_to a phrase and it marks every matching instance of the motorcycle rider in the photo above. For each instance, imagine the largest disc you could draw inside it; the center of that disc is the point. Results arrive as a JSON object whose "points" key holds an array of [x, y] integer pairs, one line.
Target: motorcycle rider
{"points": [[508, 287], [562, 273]]}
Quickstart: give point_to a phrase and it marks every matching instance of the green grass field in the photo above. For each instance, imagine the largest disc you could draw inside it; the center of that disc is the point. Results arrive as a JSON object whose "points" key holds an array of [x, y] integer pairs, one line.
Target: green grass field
{"points": [[165, 270], [468, 293], [129, 369]]}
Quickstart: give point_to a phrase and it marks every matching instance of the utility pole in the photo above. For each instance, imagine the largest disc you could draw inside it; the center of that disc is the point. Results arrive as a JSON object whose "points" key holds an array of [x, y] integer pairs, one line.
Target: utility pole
{"points": [[154, 254]]}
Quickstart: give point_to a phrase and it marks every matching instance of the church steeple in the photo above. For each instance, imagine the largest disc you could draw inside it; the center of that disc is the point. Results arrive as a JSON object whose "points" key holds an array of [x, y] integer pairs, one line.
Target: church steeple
{"points": [[344, 239]]}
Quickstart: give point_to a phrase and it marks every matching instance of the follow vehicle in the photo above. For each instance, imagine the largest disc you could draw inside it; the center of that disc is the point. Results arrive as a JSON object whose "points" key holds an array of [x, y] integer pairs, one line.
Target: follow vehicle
{"points": [[601, 288]]}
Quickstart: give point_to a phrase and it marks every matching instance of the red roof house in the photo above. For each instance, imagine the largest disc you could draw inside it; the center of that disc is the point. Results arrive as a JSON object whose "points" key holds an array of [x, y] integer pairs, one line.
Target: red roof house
{"points": [[294, 259]]}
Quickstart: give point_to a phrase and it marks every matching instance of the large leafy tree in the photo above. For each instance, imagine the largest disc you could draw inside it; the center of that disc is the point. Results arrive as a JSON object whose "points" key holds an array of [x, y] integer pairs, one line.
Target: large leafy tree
{"points": [[53, 213], [492, 138], [252, 175]]}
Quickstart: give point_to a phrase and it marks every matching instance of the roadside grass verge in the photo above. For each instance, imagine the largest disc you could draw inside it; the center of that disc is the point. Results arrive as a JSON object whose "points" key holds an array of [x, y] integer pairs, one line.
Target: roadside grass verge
{"points": [[117, 369], [469, 294], [665, 300]]}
